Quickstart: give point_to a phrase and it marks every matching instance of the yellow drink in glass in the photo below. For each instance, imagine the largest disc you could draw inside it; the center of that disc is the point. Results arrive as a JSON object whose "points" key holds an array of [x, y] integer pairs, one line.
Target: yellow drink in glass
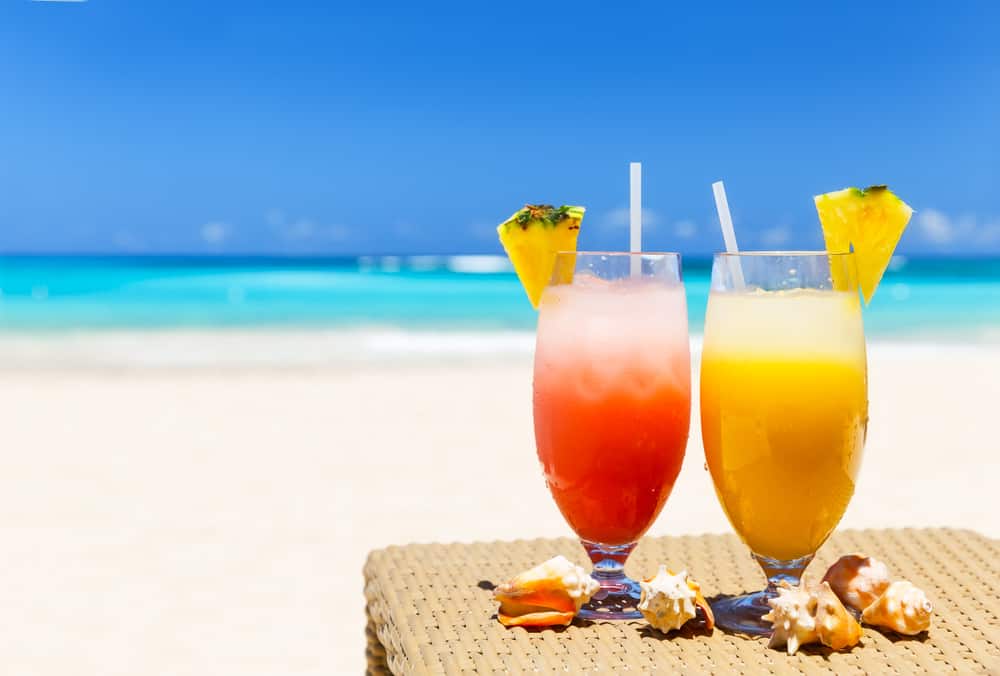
{"points": [[784, 408]]}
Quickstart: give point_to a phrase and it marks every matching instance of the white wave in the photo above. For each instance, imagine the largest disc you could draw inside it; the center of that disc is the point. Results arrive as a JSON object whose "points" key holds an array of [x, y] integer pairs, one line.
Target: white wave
{"points": [[425, 263], [230, 348], [188, 348], [478, 264], [390, 263]]}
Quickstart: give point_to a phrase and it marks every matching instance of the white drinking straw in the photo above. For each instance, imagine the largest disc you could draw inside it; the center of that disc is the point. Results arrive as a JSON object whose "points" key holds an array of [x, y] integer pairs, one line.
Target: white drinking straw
{"points": [[635, 216], [728, 233]]}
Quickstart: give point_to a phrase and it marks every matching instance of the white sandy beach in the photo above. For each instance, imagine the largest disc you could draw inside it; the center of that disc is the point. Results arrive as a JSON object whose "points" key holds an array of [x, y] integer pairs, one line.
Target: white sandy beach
{"points": [[213, 520]]}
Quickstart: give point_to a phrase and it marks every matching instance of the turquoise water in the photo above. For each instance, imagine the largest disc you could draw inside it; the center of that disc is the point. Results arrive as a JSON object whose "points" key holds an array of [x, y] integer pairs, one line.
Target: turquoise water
{"points": [[920, 298]]}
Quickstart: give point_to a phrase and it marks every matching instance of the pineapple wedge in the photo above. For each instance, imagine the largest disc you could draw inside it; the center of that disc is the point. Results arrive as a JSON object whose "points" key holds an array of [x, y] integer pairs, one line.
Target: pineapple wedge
{"points": [[531, 238], [872, 220]]}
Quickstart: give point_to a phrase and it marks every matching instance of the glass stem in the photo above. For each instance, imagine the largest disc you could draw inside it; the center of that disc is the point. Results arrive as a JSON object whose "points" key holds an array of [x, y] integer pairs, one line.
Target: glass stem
{"points": [[618, 595], [782, 571], [609, 563]]}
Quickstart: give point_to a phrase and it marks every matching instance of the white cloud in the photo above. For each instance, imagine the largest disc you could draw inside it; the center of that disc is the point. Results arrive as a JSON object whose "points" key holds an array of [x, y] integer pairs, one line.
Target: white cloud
{"points": [[301, 228], [304, 229], [685, 229], [776, 236], [935, 226], [619, 218], [939, 228], [215, 232]]}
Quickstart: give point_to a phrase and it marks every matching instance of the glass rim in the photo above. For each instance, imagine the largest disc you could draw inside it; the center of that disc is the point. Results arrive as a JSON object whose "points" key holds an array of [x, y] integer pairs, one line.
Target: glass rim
{"points": [[783, 254], [619, 253]]}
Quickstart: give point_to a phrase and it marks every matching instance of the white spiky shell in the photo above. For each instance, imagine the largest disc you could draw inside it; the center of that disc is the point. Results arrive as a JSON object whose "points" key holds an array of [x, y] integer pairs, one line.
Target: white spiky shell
{"points": [[793, 617], [902, 607], [858, 580], [667, 601]]}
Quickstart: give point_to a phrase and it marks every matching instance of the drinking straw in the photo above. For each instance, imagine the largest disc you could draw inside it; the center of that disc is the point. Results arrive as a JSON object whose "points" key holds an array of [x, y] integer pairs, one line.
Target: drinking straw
{"points": [[728, 233], [635, 216]]}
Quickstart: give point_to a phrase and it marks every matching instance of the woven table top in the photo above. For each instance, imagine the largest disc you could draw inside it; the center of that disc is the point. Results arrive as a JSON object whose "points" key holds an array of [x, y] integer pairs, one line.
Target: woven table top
{"points": [[430, 610]]}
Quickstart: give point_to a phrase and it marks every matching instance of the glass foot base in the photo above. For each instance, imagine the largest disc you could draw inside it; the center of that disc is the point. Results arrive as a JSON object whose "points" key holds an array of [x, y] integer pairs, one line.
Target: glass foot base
{"points": [[742, 613], [618, 597], [613, 602]]}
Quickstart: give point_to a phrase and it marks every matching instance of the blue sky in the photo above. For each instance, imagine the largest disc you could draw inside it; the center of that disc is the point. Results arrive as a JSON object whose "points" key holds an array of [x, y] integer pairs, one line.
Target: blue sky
{"points": [[340, 128]]}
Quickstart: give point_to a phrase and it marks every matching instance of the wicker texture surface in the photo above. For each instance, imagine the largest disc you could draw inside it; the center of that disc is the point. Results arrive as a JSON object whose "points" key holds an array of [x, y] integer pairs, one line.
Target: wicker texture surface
{"points": [[430, 610]]}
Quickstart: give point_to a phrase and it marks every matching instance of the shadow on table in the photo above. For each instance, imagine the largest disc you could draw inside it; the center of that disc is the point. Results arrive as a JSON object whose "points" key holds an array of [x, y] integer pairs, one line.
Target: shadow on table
{"points": [[690, 630], [819, 650], [557, 628], [893, 637]]}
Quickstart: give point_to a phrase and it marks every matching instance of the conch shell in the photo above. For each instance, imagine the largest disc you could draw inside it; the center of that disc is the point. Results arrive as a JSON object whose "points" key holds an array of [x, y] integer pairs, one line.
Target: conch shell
{"points": [[835, 626], [902, 608], [858, 580], [801, 616], [551, 593], [668, 600]]}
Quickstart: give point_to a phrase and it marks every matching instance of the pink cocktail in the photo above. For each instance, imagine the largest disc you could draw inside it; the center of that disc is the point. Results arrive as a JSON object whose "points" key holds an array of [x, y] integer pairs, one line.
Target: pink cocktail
{"points": [[612, 394]]}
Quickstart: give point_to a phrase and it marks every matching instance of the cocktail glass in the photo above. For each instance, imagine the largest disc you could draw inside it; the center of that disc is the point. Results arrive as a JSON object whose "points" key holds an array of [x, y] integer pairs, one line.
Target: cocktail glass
{"points": [[784, 408], [612, 398]]}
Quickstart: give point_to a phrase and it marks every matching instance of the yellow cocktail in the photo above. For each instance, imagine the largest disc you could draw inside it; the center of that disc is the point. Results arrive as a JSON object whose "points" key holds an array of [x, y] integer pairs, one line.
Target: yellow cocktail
{"points": [[783, 409]]}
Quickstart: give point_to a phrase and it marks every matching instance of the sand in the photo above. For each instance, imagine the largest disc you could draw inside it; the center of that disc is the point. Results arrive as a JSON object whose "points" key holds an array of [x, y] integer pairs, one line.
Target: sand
{"points": [[208, 521]]}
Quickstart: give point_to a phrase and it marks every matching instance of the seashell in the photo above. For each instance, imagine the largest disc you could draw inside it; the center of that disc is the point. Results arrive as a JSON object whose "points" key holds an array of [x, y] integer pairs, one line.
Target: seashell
{"points": [[902, 608], [793, 617], [858, 580], [550, 593], [801, 615], [668, 601], [835, 625]]}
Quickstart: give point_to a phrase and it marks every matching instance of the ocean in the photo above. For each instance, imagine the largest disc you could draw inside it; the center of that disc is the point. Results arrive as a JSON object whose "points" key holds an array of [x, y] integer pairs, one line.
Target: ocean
{"points": [[951, 300]]}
